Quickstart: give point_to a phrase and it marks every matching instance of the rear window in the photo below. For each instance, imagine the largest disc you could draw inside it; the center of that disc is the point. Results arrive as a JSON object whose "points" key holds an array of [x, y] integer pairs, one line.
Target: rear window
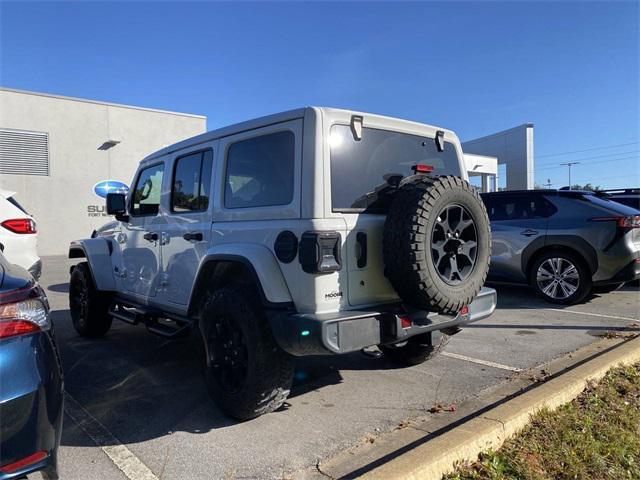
{"points": [[610, 204], [358, 167], [633, 202], [15, 203]]}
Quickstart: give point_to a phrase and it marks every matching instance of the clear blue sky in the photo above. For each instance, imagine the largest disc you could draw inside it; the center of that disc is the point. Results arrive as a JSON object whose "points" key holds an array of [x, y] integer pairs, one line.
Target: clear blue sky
{"points": [[571, 68]]}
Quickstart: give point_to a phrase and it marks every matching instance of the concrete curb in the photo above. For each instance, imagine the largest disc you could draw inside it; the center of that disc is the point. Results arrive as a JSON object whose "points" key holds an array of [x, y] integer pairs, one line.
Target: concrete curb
{"points": [[437, 457]]}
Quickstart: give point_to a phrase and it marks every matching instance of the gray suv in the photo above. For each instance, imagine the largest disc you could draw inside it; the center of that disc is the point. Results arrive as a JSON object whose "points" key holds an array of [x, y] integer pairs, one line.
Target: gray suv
{"points": [[563, 242]]}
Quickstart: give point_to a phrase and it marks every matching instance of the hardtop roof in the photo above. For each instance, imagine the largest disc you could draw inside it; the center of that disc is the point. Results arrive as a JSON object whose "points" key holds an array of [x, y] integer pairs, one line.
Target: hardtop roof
{"points": [[266, 121]]}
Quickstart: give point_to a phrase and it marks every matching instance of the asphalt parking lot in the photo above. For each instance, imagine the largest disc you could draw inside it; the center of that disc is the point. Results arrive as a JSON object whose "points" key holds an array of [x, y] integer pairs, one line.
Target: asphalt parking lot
{"points": [[137, 401]]}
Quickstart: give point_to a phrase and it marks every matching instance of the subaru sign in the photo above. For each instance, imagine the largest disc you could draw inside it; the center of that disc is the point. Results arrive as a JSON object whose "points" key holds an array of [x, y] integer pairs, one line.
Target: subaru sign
{"points": [[109, 186]]}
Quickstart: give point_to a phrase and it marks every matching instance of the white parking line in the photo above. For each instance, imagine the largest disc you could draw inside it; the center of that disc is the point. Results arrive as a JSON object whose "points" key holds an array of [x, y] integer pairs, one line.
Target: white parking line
{"points": [[481, 362], [120, 455], [588, 313]]}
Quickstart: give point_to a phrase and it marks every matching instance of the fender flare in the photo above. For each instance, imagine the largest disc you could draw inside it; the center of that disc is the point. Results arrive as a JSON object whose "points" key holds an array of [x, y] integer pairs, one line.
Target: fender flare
{"points": [[261, 264], [97, 251], [572, 242]]}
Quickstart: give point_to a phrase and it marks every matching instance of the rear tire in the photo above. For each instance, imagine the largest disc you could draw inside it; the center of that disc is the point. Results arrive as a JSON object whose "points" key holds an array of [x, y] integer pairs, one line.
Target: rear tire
{"points": [[89, 307], [561, 277], [415, 351], [246, 372]]}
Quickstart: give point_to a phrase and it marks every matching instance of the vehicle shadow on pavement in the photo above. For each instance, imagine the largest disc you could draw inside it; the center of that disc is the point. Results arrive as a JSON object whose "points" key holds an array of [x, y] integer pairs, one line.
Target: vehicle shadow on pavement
{"points": [[59, 288], [522, 296], [141, 386]]}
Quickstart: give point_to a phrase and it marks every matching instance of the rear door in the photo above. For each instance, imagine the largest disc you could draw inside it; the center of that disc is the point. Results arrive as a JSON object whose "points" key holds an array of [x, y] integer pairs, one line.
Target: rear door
{"points": [[186, 226], [517, 220]]}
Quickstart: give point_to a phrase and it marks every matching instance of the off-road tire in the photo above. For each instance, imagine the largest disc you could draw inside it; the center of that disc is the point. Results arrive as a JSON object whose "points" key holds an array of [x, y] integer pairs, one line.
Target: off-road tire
{"points": [[89, 307], [269, 370], [407, 243], [414, 351], [584, 277]]}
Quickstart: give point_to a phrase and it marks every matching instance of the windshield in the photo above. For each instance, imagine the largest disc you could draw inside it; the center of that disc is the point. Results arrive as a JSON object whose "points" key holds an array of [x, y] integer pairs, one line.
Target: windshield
{"points": [[360, 168]]}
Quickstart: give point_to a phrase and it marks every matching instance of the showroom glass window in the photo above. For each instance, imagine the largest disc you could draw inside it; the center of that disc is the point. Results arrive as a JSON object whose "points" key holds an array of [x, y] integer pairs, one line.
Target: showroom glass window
{"points": [[192, 182], [260, 171], [146, 194]]}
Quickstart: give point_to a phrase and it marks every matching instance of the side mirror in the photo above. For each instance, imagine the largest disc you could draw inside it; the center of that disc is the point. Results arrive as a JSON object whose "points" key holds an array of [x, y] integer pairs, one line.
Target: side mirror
{"points": [[117, 205]]}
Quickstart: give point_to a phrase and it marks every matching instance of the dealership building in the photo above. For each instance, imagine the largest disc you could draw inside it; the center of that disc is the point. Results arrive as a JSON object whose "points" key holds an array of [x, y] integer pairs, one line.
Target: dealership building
{"points": [[54, 150], [61, 156]]}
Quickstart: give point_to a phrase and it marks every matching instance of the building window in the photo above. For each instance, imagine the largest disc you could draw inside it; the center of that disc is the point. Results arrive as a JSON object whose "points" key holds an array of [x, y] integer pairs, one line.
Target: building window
{"points": [[260, 171], [24, 153], [192, 182]]}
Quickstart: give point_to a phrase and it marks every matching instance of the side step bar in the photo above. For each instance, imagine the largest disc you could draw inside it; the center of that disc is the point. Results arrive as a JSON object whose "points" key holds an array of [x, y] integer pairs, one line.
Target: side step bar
{"points": [[156, 322]]}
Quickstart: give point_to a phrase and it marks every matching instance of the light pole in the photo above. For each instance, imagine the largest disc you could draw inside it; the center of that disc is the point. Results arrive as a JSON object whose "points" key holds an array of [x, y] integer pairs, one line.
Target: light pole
{"points": [[568, 164]]}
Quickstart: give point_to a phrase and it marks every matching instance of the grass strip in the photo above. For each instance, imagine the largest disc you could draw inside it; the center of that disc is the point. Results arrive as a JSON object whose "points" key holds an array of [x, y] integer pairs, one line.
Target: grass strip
{"points": [[596, 436]]}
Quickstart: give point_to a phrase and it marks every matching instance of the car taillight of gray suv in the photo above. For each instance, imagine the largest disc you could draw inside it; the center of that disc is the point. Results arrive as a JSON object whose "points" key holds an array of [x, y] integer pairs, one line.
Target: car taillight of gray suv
{"points": [[563, 242]]}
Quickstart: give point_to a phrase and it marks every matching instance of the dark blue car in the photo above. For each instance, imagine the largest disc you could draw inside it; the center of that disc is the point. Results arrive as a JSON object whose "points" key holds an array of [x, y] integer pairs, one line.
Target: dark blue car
{"points": [[31, 388]]}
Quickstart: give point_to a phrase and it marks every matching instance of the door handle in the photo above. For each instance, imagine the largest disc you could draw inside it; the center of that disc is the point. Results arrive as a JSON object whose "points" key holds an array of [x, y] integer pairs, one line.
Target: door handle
{"points": [[151, 236], [193, 236], [529, 232], [361, 241]]}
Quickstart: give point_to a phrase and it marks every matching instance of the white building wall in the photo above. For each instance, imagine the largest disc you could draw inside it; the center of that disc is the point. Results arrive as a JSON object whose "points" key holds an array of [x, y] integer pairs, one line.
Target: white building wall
{"points": [[61, 202], [513, 148]]}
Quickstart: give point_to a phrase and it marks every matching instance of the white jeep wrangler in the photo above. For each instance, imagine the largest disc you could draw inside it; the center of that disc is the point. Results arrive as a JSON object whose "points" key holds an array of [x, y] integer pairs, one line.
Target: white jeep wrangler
{"points": [[314, 231]]}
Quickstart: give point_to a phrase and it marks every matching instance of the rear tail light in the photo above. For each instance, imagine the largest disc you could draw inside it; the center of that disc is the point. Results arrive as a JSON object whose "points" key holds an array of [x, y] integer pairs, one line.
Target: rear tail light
{"points": [[632, 221], [464, 311], [23, 462], [23, 311], [20, 225], [405, 322]]}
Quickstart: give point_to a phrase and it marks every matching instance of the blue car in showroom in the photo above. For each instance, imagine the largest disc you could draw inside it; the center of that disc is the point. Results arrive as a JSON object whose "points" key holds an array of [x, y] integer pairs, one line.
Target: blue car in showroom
{"points": [[31, 383]]}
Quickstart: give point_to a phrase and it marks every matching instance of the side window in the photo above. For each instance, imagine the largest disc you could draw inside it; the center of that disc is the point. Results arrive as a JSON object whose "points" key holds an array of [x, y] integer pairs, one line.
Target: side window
{"points": [[146, 194], [544, 208], [499, 207], [518, 207], [260, 171], [192, 182]]}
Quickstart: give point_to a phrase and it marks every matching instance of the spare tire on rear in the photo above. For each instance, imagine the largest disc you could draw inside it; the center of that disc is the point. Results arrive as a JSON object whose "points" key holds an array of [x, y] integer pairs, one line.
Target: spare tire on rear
{"points": [[437, 243]]}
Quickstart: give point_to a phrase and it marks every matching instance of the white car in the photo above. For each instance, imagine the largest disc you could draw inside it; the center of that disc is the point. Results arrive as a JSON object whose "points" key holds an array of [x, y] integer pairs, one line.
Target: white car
{"points": [[18, 234], [310, 232]]}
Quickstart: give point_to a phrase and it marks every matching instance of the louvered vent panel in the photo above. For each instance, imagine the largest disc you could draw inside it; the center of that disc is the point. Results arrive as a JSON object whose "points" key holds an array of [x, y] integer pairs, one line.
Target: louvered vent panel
{"points": [[24, 153]]}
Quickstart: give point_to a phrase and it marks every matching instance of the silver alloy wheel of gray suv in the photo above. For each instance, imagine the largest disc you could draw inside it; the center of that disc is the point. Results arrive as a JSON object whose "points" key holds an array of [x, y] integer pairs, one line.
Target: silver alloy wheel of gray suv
{"points": [[558, 278]]}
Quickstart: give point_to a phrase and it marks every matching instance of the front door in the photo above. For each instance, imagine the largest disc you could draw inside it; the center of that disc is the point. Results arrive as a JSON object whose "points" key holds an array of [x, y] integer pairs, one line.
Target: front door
{"points": [[186, 227], [141, 236], [517, 220]]}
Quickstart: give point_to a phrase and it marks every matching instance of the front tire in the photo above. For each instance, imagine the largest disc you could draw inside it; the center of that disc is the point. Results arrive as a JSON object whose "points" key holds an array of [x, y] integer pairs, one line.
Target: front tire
{"points": [[246, 372], [89, 307], [414, 351], [561, 277]]}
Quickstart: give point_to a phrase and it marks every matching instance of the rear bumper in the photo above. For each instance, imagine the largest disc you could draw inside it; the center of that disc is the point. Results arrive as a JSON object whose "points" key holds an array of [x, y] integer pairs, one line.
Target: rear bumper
{"points": [[353, 330], [628, 273], [31, 403]]}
